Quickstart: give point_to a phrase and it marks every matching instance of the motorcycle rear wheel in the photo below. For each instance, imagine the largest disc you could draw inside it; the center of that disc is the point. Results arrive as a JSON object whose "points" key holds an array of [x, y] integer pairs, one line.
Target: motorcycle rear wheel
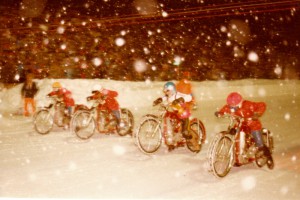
{"points": [[127, 121], [197, 130], [260, 158]]}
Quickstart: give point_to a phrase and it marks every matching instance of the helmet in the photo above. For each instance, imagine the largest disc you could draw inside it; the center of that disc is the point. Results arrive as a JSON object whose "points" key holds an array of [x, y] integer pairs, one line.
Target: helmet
{"points": [[234, 99], [56, 85], [170, 86]]}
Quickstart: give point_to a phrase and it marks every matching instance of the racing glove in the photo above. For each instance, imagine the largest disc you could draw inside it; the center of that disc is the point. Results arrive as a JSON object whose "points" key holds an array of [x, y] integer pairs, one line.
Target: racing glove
{"points": [[217, 114], [157, 101]]}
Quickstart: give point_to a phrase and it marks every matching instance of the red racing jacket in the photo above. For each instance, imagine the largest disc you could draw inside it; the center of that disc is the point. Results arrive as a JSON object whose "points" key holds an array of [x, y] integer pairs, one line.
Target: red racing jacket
{"points": [[66, 96], [249, 110], [109, 96]]}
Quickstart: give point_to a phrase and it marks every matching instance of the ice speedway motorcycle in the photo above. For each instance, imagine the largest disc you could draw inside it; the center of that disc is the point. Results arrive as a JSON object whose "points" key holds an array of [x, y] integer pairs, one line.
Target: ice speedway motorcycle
{"points": [[54, 114], [166, 127], [236, 147], [85, 121]]}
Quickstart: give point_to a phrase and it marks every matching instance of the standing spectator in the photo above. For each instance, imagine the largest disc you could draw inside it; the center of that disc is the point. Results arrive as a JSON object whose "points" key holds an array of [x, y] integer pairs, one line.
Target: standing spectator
{"points": [[28, 92]]}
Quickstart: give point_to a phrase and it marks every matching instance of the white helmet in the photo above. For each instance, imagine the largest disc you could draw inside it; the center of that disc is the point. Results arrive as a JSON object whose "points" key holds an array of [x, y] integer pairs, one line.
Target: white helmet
{"points": [[98, 87]]}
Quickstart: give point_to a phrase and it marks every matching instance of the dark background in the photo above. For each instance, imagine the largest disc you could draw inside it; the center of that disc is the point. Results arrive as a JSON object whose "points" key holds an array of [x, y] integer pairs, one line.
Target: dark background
{"points": [[193, 30]]}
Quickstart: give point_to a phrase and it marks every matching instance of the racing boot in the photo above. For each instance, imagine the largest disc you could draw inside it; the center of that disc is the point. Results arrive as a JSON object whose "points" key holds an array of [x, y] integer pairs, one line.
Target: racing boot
{"points": [[171, 147], [186, 135], [185, 132], [66, 122]]}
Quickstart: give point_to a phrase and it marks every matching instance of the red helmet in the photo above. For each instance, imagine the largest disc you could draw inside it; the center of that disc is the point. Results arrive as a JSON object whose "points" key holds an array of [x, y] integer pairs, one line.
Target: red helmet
{"points": [[234, 99]]}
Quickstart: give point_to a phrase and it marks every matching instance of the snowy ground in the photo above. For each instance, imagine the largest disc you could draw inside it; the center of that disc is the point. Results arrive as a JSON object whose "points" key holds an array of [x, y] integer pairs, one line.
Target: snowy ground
{"points": [[59, 165]]}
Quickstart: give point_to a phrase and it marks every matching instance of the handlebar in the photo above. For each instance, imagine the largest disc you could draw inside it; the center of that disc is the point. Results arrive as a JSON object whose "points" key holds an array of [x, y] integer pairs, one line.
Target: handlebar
{"points": [[235, 117], [235, 120], [54, 98], [227, 115], [163, 106]]}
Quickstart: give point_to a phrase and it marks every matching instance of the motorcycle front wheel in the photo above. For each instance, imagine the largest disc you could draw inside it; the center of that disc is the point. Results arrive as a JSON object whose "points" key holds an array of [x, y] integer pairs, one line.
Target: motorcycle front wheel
{"points": [[43, 121], [149, 135], [83, 124], [222, 156]]}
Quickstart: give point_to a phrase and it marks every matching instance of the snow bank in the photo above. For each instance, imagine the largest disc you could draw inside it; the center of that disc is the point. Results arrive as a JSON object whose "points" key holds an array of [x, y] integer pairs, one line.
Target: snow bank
{"points": [[140, 94]]}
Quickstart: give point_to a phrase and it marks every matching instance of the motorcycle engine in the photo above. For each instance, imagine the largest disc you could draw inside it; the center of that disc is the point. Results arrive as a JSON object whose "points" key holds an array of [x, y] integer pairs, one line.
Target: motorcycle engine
{"points": [[173, 134], [251, 152]]}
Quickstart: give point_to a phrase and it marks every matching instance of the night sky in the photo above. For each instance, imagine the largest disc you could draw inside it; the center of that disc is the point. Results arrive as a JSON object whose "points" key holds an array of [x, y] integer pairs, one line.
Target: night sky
{"points": [[197, 30]]}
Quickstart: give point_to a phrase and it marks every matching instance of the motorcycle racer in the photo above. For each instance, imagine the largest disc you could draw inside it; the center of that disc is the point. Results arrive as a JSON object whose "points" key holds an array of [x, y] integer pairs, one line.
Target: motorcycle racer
{"points": [[251, 111], [65, 95], [178, 103], [109, 101]]}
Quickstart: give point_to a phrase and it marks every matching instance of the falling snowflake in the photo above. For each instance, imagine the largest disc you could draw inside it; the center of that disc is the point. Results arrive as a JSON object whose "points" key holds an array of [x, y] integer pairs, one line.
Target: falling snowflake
{"points": [[177, 60], [278, 70], [60, 30], [287, 116], [140, 65], [248, 183], [252, 56], [63, 46], [119, 150], [17, 77], [46, 41], [164, 14], [120, 42], [228, 43], [223, 29], [97, 61], [262, 92], [284, 190], [123, 32]]}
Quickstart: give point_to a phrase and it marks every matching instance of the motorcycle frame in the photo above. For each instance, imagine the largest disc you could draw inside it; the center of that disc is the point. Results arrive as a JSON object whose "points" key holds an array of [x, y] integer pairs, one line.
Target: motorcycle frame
{"points": [[240, 144]]}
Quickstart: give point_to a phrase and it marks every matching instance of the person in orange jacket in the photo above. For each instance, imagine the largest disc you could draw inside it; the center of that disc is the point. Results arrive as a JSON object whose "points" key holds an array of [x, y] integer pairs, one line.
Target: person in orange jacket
{"points": [[184, 89], [110, 101], [250, 111], [28, 91], [65, 95]]}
